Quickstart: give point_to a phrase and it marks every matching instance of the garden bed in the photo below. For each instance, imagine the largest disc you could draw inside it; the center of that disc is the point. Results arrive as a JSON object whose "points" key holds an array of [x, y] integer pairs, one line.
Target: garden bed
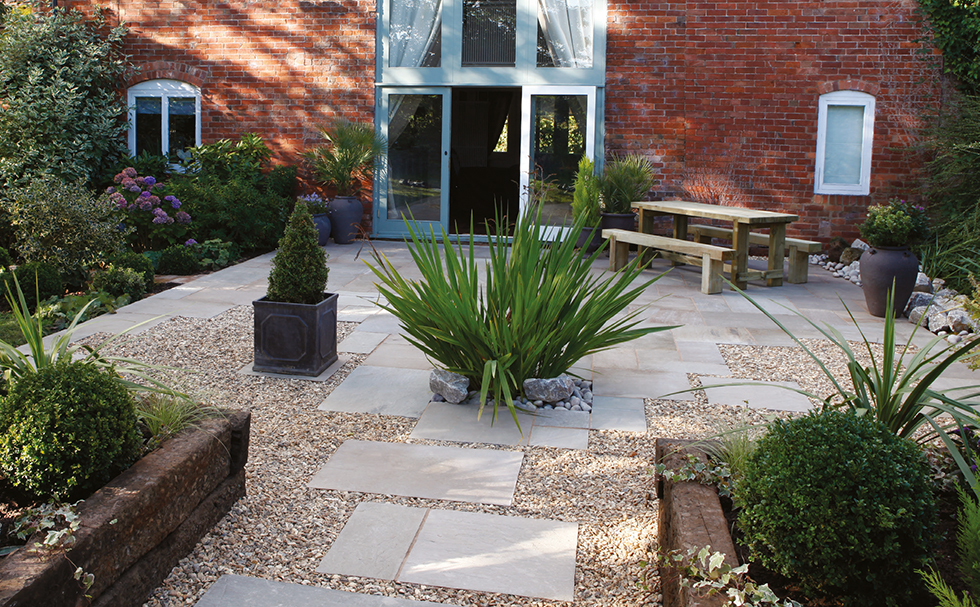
{"points": [[136, 528]]}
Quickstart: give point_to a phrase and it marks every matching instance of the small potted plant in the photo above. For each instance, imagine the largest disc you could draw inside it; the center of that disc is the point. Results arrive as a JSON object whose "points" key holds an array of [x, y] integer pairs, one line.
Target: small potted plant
{"points": [[623, 181], [296, 322], [321, 216], [890, 229], [344, 163], [585, 205]]}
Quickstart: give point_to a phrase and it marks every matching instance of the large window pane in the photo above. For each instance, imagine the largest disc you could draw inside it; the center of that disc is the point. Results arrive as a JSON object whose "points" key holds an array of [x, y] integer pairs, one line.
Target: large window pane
{"points": [[845, 141], [559, 131], [149, 125], [489, 32], [415, 36], [565, 33], [183, 120], [415, 156]]}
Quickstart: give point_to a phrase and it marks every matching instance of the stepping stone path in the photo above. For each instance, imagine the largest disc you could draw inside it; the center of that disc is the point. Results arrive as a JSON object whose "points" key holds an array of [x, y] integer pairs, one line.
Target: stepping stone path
{"points": [[242, 591]]}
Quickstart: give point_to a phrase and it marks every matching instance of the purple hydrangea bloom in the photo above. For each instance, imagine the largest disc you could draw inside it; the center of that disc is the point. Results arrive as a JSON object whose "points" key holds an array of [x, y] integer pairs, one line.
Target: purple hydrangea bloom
{"points": [[110, 190], [118, 199], [129, 172], [135, 189], [154, 200], [149, 180], [173, 201], [140, 182], [118, 178], [144, 203], [126, 182], [183, 217], [190, 241]]}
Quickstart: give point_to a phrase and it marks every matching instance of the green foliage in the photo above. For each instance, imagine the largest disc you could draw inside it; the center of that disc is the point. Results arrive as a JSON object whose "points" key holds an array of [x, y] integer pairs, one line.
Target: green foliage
{"points": [[585, 200], [225, 158], [139, 262], [943, 593], [59, 80], [214, 254], [67, 430], [164, 416], [954, 140], [707, 574], [43, 275], [65, 225], [156, 222], [299, 269], [56, 313], [5, 259], [118, 281], [347, 159], [955, 29], [694, 469], [968, 540], [624, 181], [178, 259], [954, 251], [541, 309], [841, 505], [896, 224]]}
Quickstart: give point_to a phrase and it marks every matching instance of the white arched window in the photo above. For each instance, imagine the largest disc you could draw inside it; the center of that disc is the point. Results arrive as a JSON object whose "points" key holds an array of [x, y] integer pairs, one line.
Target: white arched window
{"points": [[164, 117], [845, 130]]}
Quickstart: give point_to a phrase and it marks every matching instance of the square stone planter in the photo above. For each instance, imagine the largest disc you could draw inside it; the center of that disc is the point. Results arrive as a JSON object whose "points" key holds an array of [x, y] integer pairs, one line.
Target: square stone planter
{"points": [[135, 529], [295, 339]]}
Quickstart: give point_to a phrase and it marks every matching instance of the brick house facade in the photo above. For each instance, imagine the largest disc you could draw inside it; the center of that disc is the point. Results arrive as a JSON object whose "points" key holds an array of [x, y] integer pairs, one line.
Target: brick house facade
{"points": [[721, 96]]}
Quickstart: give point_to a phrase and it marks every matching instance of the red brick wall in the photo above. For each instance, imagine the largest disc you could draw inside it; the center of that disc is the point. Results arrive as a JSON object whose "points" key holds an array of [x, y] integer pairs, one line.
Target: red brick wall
{"points": [[721, 95]]}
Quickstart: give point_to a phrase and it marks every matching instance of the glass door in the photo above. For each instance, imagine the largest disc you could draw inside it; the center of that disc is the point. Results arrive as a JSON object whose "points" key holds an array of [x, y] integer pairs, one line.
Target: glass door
{"points": [[415, 184], [557, 128]]}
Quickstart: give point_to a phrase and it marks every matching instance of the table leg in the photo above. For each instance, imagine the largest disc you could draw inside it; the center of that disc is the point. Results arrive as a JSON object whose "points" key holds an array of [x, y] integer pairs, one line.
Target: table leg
{"points": [[777, 249], [740, 265], [680, 232]]}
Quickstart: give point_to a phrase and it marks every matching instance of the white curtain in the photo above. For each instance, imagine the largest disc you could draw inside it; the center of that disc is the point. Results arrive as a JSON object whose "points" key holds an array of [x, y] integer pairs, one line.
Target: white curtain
{"points": [[567, 28], [414, 29], [401, 110]]}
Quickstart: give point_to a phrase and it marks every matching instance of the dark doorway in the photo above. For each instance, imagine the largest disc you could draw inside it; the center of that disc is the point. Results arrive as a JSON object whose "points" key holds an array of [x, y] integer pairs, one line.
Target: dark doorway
{"points": [[485, 144]]}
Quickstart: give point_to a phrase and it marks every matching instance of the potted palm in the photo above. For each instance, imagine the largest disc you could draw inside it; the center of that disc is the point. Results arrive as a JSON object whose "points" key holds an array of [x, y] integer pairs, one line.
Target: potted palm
{"points": [[296, 322], [890, 230], [345, 162], [585, 205], [623, 181]]}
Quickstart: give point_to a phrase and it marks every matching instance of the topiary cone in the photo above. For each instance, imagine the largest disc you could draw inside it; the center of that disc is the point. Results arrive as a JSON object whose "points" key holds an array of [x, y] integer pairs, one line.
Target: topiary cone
{"points": [[299, 269]]}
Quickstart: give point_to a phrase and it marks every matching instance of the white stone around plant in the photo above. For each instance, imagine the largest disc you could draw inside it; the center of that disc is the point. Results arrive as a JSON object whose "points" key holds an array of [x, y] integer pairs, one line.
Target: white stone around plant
{"points": [[451, 386], [860, 244], [959, 320]]}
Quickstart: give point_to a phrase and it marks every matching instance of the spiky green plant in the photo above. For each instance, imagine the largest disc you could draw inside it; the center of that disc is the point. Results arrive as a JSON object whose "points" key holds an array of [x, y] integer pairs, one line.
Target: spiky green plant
{"points": [[585, 199], [539, 310], [347, 159], [624, 181]]}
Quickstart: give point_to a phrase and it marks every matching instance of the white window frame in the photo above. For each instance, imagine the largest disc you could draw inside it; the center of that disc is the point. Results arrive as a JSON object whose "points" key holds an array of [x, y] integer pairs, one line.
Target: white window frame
{"points": [[846, 98], [164, 89]]}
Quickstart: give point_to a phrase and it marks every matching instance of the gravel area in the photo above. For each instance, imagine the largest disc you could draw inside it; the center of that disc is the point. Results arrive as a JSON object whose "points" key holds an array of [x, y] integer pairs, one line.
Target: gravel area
{"points": [[282, 529]]}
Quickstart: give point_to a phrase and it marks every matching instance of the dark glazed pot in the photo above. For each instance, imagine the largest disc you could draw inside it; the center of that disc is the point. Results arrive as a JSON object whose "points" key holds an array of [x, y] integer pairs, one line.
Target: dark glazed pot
{"points": [[618, 221], [295, 339], [345, 218], [880, 266], [322, 223], [589, 239]]}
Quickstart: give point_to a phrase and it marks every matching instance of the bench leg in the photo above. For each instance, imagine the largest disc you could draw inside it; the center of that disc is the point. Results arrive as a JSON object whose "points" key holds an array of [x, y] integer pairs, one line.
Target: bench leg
{"points": [[799, 263], [619, 254], [711, 272]]}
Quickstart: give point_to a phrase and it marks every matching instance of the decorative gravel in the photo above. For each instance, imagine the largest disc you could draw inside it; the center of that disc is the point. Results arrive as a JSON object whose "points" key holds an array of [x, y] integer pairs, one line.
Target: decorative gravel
{"points": [[281, 529]]}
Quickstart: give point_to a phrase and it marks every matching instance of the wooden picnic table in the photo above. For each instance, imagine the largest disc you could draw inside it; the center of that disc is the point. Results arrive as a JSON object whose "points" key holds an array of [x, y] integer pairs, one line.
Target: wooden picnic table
{"points": [[743, 222]]}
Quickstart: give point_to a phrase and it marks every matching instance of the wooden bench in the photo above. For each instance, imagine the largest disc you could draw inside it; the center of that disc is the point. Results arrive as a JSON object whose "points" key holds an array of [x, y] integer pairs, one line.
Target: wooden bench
{"points": [[712, 259], [799, 250]]}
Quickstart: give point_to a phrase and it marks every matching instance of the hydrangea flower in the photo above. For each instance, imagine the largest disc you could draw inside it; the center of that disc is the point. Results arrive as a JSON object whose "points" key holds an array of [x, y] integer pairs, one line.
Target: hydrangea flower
{"points": [[130, 172], [183, 217], [149, 180], [190, 241], [173, 201], [110, 190]]}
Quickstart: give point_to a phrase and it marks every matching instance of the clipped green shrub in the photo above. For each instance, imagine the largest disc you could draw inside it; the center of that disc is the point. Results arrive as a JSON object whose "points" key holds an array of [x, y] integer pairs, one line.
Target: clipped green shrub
{"points": [[215, 254], [67, 430], [178, 259], [140, 263], [5, 259], [118, 281], [841, 505], [299, 269], [66, 225], [47, 279]]}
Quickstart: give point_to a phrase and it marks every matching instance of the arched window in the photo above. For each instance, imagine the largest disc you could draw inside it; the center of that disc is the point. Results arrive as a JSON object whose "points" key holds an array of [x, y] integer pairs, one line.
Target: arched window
{"points": [[164, 117], [845, 130]]}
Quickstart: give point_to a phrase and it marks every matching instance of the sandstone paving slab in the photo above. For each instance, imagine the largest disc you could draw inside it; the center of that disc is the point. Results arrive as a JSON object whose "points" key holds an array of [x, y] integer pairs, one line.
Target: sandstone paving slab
{"points": [[562, 438], [772, 395], [480, 476], [382, 391], [561, 418], [374, 542], [385, 322], [700, 352], [395, 354], [458, 423], [325, 376], [241, 591], [648, 384], [490, 553], [361, 342], [622, 414]]}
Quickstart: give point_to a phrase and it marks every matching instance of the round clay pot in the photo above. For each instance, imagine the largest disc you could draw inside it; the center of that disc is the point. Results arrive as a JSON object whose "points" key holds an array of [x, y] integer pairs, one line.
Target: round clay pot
{"points": [[589, 239], [345, 218], [618, 221], [880, 266], [322, 223]]}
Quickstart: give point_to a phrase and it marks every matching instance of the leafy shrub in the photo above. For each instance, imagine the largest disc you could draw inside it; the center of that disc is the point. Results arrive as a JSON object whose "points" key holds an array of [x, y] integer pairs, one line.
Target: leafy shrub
{"points": [[44, 275], [59, 81], [299, 269], [67, 430], [140, 263], [840, 504], [532, 309], [66, 225], [214, 254], [225, 158], [954, 28], [953, 138], [178, 259], [954, 251], [585, 200], [57, 313], [346, 161], [120, 281], [146, 213], [896, 224], [5, 259], [623, 181], [968, 540]]}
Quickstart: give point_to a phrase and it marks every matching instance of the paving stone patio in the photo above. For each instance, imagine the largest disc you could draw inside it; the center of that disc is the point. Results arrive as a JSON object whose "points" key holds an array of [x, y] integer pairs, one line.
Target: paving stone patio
{"points": [[758, 395], [242, 591], [382, 391]]}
